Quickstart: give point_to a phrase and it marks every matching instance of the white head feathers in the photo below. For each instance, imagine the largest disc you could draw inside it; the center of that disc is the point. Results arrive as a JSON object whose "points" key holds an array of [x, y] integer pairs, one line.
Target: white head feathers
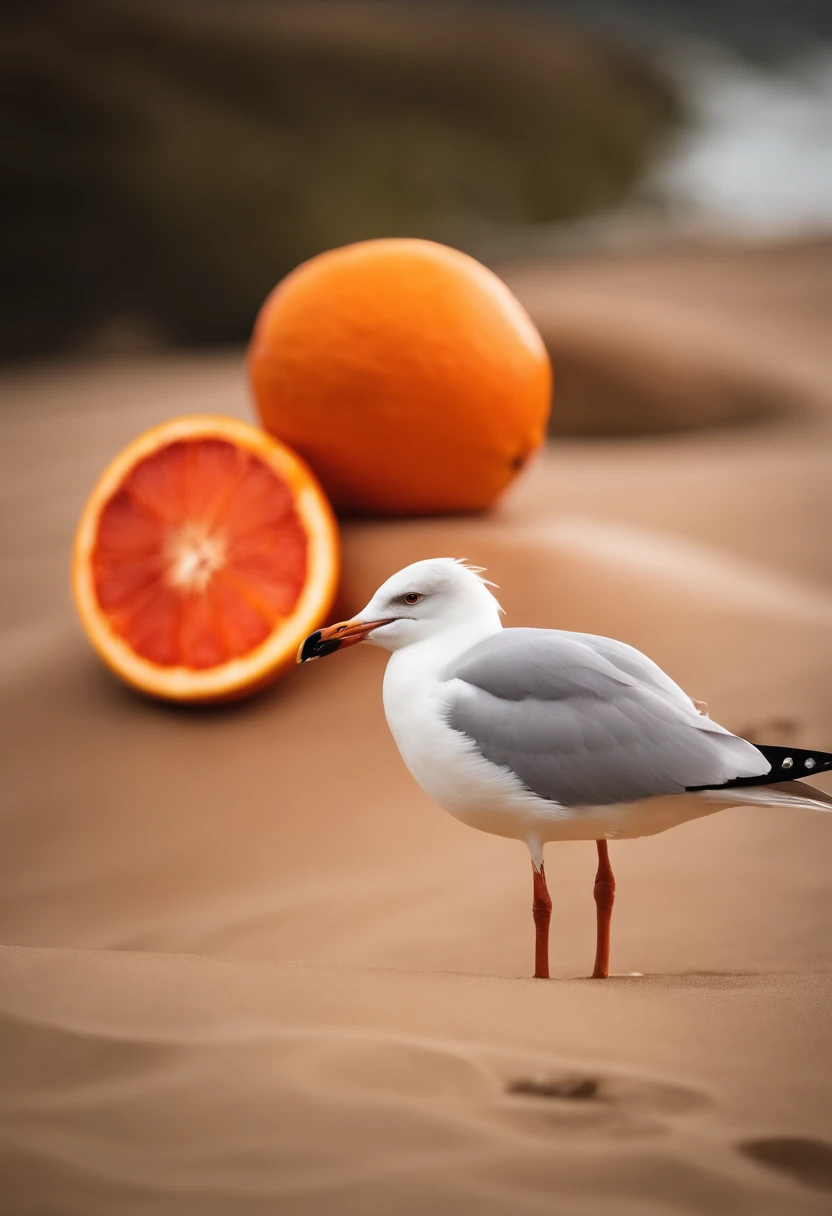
{"points": [[431, 597]]}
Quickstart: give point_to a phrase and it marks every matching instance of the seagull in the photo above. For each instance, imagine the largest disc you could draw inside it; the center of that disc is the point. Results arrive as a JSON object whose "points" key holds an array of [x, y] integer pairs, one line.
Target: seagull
{"points": [[541, 735]]}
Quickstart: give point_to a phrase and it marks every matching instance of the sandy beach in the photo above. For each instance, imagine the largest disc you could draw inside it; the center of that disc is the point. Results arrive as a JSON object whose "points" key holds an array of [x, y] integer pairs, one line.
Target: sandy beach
{"points": [[248, 967]]}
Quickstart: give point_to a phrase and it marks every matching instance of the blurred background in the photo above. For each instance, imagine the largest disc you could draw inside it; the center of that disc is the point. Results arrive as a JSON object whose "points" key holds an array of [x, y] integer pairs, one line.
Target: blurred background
{"points": [[165, 162], [654, 182]]}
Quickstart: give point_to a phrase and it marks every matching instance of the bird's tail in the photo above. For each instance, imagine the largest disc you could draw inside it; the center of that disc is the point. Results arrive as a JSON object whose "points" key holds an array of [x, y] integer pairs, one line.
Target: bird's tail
{"points": [[779, 786], [793, 795]]}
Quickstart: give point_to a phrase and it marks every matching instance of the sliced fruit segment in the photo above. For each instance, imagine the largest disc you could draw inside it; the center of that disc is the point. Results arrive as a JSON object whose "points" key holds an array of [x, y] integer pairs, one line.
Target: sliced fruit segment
{"points": [[206, 552]]}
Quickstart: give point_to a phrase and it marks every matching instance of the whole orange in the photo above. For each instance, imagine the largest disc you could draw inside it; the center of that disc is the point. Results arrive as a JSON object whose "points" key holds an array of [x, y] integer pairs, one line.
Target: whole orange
{"points": [[405, 373]]}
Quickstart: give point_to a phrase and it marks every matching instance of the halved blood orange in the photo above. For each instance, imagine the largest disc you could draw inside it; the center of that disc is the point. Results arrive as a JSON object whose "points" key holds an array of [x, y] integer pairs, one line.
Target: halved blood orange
{"points": [[206, 552]]}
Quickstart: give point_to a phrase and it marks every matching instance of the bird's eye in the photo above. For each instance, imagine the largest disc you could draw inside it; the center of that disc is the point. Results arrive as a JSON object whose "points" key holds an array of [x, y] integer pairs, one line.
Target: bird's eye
{"points": [[412, 597]]}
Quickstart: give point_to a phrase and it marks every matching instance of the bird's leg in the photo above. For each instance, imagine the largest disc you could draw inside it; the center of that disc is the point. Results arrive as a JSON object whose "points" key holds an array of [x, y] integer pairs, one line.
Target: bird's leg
{"points": [[604, 899], [542, 912]]}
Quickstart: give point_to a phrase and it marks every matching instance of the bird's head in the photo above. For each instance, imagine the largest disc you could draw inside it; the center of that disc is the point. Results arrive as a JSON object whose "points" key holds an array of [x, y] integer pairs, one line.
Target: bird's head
{"points": [[419, 602]]}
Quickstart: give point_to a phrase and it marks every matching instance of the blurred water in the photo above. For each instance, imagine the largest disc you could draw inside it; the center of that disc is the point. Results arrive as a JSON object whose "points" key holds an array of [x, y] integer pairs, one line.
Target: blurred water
{"points": [[756, 159], [752, 160]]}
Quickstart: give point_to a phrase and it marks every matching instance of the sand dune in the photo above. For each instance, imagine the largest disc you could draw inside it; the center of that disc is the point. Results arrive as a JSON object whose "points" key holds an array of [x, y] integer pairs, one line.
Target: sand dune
{"points": [[250, 967]]}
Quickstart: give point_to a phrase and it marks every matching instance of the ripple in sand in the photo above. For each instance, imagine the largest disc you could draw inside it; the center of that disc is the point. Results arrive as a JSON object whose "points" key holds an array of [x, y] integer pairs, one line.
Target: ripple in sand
{"points": [[618, 382]]}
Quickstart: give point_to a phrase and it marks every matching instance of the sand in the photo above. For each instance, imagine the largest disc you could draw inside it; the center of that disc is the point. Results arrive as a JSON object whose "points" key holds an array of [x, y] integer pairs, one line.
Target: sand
{"points": [[250, 968]]}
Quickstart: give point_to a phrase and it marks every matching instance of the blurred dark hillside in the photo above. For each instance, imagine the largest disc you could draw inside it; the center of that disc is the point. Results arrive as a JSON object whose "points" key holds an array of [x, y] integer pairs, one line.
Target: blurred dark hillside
{"points": [[163, 164]]}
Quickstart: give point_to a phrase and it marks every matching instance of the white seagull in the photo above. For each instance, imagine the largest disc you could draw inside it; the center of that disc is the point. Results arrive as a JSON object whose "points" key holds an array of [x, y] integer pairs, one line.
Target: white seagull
{"points": [[541, 735]]}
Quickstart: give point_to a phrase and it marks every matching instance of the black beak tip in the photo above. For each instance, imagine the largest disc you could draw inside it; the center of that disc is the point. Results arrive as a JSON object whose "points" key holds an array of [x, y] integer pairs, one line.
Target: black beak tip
{"points": [[309, 647], [314, 648]]}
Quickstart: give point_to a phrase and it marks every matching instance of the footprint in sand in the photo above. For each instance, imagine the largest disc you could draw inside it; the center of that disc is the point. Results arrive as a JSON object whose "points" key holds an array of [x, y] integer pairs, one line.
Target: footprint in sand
{"points": [[804, 1160], [619, 1102]]}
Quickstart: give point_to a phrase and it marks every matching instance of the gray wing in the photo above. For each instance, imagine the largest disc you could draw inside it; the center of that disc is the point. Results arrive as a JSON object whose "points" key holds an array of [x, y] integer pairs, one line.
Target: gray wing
{"points": [[588, 721]]}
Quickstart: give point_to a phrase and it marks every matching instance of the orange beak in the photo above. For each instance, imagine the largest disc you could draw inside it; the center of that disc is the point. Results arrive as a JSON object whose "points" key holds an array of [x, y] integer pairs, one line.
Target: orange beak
{"points": [[336, 637]]}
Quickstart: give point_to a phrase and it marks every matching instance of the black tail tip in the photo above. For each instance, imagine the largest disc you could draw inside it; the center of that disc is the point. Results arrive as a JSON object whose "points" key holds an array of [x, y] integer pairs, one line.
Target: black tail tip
{"points": [[787, 764]]}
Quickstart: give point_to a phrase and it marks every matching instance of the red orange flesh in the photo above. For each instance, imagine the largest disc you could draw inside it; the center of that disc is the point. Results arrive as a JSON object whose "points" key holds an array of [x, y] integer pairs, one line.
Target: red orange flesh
{"points": [[205, 553]]}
